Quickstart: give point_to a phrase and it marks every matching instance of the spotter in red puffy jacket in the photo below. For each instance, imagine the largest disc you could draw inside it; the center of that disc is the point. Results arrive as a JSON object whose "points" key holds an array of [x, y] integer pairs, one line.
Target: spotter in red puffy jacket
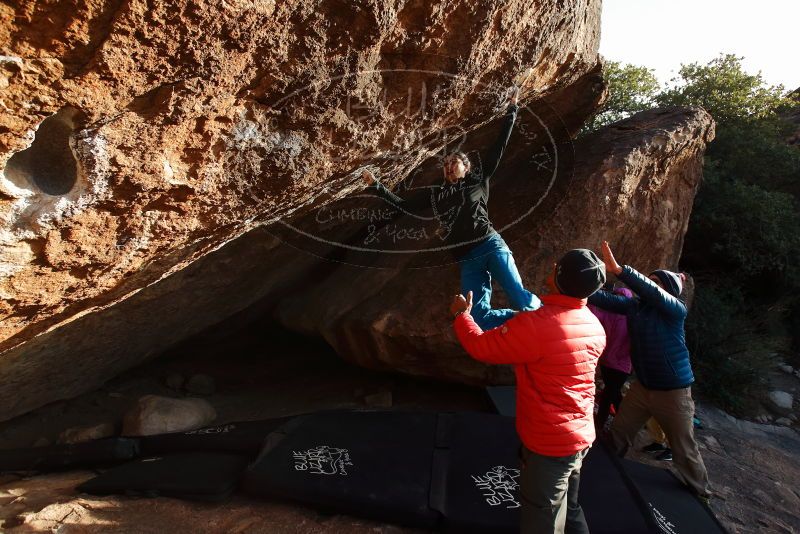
{"points": [[554, 350]]}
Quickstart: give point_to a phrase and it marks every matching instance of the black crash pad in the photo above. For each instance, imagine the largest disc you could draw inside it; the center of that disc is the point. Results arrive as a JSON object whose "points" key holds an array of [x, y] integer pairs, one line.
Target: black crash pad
{"points": [[480, 462], [457, 471], [664, 503], [374, 464], [609, 499], [476, 473], [95, 453], [195, 476], [674, 509]]}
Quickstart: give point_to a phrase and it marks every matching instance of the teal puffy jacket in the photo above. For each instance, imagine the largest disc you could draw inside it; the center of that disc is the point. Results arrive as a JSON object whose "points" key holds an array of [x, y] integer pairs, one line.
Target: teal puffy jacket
{"points": [[655, 325]]}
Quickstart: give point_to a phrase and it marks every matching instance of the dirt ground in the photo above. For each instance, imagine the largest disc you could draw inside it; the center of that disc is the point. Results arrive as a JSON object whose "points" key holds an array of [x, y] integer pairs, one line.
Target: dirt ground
{"points": [[754, 468]]}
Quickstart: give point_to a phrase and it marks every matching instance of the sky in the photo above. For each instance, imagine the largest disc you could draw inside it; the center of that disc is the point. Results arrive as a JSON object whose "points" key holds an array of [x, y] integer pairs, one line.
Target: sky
{"points": [[662, 34]]}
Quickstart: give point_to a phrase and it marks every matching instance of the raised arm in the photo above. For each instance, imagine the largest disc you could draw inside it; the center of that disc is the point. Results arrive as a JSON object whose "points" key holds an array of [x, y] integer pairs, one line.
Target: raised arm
{"points": [[647, 290], [650, 293], [414, 202], [612, 303], [492, 157]]}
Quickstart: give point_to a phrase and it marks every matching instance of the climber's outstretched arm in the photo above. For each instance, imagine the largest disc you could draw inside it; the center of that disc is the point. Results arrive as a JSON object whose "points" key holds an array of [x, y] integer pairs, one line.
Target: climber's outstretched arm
{"points": [[413, 203], [492, 158]]}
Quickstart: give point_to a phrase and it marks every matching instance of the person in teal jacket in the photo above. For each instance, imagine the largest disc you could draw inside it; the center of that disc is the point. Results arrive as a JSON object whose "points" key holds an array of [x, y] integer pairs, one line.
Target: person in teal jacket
{"points": [[660, 360]]}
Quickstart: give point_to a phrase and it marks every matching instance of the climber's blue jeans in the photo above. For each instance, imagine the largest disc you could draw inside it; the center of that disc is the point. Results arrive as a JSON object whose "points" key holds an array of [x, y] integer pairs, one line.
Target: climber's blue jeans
{"points": [[492, 258]]}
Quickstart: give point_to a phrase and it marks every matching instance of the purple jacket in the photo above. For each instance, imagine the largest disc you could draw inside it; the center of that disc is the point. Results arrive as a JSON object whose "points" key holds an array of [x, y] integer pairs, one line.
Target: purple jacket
{"points": [[618, 345]]}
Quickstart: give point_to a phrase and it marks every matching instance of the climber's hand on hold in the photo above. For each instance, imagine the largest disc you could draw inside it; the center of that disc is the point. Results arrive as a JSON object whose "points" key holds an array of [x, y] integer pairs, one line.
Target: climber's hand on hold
{"points": [[368, 177], [520, 80]]}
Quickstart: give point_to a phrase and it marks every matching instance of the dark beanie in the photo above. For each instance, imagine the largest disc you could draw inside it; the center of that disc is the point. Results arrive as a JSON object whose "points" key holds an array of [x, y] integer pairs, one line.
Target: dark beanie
{"points": [[671, 281], [579, 273]]}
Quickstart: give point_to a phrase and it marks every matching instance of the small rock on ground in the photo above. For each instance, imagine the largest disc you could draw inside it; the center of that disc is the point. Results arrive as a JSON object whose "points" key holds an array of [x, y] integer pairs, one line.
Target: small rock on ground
{"points": [[154, 414], [779, 402]]}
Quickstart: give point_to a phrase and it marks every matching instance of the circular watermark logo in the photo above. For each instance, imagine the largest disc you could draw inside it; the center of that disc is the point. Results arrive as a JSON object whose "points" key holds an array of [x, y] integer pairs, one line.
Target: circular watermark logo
{"points": [[425, 200]]}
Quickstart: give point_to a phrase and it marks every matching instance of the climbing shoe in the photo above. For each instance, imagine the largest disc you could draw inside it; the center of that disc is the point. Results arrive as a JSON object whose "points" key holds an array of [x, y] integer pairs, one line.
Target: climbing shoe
{"points": [[665, 455], [654, 447]]}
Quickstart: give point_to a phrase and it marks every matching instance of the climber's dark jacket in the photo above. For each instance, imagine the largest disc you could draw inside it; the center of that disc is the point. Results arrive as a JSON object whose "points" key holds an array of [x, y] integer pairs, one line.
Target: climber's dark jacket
{"points": [[461, 208]]}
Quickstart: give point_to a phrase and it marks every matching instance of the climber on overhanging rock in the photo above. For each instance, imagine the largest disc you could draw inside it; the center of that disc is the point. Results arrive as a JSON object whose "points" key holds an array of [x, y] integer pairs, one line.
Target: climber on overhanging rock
{"points": [[460, 206]]}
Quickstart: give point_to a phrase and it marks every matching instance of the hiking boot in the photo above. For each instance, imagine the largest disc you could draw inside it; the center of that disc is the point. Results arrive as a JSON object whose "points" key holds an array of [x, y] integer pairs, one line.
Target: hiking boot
{"points": [[665, 455], [654, 447]]}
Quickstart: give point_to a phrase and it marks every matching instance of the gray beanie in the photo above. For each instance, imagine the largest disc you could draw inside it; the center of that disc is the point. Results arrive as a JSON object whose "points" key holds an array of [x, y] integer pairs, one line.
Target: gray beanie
{"points": [[671, 281], [579, 273]]}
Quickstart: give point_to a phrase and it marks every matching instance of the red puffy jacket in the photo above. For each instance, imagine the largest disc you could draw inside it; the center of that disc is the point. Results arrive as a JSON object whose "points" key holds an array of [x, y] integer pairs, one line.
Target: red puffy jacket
{"points": [[554, 351]]}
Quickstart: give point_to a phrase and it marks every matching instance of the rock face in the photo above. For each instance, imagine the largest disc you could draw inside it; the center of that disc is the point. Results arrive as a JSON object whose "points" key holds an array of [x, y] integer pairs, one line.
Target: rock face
{"points": [[633, 183], [137, 139]]}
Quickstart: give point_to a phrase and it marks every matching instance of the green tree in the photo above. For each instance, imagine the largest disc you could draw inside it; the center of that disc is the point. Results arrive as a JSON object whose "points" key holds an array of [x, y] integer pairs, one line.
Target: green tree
{"points": [[756, 151], [631, 89], [751, 134], [745, 231], [725, 90]]}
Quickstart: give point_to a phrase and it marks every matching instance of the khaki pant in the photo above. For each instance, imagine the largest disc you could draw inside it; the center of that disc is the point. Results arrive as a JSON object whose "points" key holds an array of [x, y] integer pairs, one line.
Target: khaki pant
{"points": [[549, 494], [673, 410]]}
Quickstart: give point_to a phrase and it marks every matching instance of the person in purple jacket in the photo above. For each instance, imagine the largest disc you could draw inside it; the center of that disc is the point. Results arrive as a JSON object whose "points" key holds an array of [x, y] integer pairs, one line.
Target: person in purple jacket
{"points": [[615, 362]]}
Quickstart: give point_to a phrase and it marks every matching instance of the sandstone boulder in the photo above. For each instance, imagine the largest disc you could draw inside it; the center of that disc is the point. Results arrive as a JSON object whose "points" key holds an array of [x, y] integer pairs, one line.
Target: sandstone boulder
{"points": [[153, 414], [137, 140]]}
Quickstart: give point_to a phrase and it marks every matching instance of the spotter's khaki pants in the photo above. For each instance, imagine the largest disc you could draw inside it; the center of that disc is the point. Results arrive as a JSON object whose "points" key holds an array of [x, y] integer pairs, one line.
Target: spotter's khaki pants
{"points": [[673, 410]]}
